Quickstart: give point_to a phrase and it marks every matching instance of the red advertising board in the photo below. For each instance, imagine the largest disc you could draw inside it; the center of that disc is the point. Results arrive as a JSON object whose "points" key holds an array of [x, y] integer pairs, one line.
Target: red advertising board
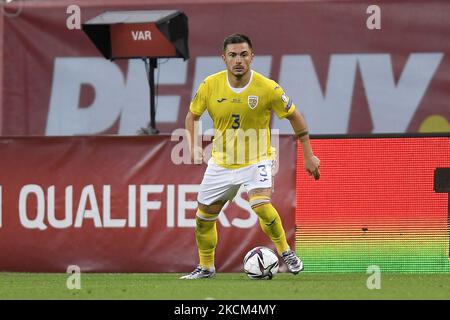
{"points": [[119, 204], [343, 76]]}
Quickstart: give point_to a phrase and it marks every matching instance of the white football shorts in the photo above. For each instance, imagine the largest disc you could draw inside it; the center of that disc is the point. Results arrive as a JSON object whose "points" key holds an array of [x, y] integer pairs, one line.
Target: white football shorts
{"points": [[222, 184]]}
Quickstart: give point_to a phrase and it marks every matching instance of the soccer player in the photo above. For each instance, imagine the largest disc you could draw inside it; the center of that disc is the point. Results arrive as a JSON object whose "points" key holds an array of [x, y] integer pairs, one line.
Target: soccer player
{"points": [[240, 101]]}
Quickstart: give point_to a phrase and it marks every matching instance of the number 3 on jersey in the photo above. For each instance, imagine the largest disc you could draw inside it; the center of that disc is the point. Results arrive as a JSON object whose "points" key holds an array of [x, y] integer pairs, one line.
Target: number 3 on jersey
{"points": [[262, 173], [236, 122]]}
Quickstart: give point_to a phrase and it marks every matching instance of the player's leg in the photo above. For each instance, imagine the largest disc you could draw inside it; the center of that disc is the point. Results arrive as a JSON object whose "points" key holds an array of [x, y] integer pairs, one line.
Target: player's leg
{"points": [[206, 238], [269, 219], [206, 232], [271, 224], [260, 197], [215, 191]]}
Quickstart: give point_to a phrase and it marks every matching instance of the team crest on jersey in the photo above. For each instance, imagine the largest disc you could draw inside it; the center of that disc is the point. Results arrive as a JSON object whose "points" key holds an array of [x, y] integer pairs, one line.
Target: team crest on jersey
{"points": [[252, 101]]}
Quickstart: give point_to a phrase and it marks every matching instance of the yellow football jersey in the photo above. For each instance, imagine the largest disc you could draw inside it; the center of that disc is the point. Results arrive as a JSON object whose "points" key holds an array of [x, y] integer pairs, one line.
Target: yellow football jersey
{"points": [[241, 117]]}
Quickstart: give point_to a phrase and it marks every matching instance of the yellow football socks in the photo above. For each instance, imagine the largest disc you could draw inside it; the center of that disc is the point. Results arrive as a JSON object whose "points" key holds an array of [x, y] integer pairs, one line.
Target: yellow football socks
{"points": [[206, 237], [270, 222], [206, 232]]}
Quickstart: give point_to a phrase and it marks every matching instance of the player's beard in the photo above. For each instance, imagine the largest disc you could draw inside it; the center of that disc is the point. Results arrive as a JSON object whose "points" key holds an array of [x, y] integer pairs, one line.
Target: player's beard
{"points": [[241, 73]]}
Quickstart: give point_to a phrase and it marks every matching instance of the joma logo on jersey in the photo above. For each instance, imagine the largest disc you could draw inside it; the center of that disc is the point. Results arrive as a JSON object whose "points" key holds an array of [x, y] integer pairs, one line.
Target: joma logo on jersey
{"points": [[252, 101], [141, 35]]}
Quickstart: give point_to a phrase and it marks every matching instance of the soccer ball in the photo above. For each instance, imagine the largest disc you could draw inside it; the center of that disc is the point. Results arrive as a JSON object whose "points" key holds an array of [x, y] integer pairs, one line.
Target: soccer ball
{"points": [[261, 263]]}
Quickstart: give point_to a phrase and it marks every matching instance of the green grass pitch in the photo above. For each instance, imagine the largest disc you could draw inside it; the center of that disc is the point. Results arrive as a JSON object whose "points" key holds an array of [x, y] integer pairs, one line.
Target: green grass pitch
{"points": [[225, 286]]}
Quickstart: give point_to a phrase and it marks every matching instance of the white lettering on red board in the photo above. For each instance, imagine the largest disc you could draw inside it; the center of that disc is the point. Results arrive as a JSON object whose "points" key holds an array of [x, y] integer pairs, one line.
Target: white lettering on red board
{"points": [[37, 207], [141, 35]]}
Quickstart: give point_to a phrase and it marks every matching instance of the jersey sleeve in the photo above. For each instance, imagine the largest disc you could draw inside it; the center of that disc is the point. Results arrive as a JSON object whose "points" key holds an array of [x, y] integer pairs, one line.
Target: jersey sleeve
{"points": [[282, 105], [199, 102]]}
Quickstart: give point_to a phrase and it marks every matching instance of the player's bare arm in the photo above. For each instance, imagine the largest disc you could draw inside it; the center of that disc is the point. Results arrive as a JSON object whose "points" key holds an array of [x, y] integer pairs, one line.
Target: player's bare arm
{"points": [[311, 162], [191, 125]]}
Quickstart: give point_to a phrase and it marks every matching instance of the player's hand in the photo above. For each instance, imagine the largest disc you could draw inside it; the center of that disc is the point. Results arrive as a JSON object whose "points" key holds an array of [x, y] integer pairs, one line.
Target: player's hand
{"points": [[312, 166], [197, 155]]}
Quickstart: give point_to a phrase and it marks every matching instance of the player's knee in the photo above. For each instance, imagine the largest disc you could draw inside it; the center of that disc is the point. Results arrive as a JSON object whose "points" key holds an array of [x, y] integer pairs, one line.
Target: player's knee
{"points": [[202, 215], [213, 208], [204, 221], [259, 201]]}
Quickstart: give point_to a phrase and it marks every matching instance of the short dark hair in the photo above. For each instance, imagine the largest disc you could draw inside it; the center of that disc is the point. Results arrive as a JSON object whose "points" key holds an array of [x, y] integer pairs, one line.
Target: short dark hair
{"points": [[236, 38]]}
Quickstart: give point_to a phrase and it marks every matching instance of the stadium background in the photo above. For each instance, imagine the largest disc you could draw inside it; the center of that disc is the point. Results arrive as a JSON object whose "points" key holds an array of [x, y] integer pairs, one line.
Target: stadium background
{"points": [[374, 204]]}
